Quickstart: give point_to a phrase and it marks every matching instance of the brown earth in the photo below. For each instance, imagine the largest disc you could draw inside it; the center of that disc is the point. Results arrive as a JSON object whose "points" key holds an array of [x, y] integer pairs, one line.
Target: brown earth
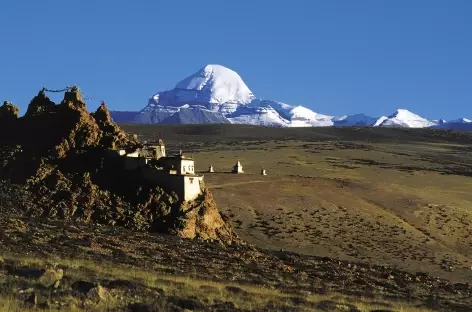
{"points": [[394, 197], [59, 266]]}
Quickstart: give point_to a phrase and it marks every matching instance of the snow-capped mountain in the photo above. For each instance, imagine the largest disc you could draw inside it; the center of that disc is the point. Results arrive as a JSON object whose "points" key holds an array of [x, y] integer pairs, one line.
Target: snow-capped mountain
{"points": [[355, 120], [217, 94], [263, 116], [295, 116], [463, 124], [216, 84], [406, 119]]}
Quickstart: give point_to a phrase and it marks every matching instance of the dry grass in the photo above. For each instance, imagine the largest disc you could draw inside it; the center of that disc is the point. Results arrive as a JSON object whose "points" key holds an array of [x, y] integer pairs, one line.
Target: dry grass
{"points": [[382, 203], [245, 297]]}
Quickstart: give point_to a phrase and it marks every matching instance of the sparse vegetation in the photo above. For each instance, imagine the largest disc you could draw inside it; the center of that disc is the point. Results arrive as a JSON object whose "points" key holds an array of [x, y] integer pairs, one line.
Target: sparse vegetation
{"points": [[129, 288], [379, 221], [398, 197]]}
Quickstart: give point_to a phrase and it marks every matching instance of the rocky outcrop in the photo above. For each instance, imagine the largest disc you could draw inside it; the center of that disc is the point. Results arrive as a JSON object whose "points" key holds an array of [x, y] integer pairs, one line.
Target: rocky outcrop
{"points": [[201, 219], [39, 105], [8, 112], [113, 136], [57, 159]]}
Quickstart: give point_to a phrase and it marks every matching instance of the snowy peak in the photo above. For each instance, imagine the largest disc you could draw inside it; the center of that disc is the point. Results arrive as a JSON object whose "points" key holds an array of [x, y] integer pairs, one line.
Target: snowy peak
{"points": [[461, 120], [295, 116], [355, 120], [463, 124], [405, 118], [219, 83], [404, 114]]}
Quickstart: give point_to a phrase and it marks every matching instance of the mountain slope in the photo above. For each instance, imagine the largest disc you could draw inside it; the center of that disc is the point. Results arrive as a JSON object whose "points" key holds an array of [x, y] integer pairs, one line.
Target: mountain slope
{"points": [[194, 116], [355, 120], [462, 124], [295, 116], [263, 116], [216, 94], [407, 119]]}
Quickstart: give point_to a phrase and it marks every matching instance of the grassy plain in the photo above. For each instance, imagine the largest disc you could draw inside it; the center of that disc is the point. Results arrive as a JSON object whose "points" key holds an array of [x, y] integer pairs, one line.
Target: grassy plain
{"points": [[385, 196]]}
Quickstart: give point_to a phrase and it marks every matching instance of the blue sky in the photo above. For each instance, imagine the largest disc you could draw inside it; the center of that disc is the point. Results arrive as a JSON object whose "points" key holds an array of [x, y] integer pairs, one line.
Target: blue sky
{"points": [[335, 57]]}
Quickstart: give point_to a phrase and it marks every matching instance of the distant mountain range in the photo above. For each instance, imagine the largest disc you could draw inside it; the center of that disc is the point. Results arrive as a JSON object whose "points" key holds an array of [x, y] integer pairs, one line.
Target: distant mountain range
{"points": [[216, 94]]}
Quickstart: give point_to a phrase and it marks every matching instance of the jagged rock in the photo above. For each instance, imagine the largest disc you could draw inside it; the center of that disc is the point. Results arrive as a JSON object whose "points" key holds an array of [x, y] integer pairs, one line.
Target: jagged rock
{"points": [[8, 112], [102, 114], [113, 136], [50, 278], [40, 104], [75, 96], [201, 219]]}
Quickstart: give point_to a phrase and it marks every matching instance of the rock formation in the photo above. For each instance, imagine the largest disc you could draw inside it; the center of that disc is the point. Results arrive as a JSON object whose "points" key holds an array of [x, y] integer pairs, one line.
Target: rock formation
{"points": [[56, 163], [8, 112]]}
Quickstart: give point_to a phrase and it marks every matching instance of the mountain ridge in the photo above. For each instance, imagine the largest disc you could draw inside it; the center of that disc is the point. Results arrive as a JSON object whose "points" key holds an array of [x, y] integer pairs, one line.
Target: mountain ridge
{"points": [[217, 94]]}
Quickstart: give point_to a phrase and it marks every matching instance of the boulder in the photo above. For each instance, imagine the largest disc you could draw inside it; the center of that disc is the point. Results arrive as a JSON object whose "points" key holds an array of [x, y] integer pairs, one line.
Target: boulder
{"points": [[51, 277], [8, 112]]}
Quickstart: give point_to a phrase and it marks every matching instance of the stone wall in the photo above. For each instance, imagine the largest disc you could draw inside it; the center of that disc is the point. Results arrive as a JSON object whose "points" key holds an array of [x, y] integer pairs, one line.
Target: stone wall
{"points": [[134, 162], [187, 187]]}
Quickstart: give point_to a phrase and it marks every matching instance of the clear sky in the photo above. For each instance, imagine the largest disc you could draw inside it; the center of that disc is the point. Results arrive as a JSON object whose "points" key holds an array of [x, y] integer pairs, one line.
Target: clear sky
{"points": [[335, 57]]}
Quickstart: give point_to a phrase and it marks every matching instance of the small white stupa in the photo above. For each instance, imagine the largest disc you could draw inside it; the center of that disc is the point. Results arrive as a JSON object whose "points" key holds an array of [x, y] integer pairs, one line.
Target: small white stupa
{"points": [[263, 172], [210, 169], [237, 168]]}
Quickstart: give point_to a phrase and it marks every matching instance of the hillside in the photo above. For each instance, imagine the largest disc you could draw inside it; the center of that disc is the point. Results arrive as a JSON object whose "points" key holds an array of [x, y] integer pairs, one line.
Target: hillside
{"points": [[52, 266]]}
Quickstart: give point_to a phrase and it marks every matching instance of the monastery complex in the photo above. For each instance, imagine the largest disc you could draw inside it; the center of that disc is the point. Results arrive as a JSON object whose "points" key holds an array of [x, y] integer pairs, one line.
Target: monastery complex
{"points": [[173, 173]]}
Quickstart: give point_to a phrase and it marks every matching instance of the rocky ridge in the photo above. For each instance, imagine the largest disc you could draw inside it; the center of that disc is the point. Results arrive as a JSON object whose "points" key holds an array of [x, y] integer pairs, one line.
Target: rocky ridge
{"points": [[56, 164]]}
